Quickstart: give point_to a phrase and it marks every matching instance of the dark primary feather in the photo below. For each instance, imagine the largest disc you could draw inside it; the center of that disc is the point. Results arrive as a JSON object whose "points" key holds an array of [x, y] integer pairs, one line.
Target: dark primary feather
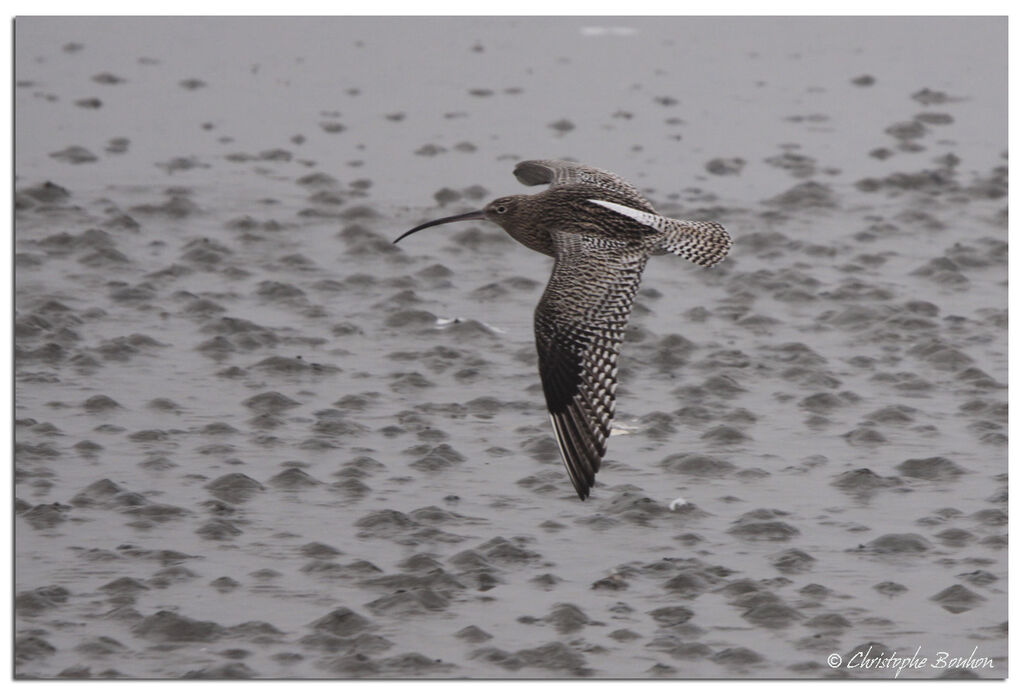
{"points": [[579, 324], [559, 173]]}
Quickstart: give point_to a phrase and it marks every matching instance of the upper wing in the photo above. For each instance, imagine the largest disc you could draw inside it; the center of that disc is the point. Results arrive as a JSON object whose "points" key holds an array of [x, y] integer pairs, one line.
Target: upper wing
{"points": [[580, 323], [558, 173]]}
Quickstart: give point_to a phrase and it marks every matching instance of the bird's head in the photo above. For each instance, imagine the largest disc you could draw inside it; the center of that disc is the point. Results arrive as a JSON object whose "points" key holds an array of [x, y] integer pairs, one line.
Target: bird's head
{"points": [[503, 212]]}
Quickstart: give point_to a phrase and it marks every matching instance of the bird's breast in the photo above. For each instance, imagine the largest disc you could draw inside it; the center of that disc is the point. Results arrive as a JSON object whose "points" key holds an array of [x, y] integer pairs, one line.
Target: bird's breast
{"points": [[533, 238]]}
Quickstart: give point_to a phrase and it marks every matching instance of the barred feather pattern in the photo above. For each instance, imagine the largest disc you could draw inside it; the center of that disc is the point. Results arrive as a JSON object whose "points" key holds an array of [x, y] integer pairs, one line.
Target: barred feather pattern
{"points": [[580, 324], [703, 243]]}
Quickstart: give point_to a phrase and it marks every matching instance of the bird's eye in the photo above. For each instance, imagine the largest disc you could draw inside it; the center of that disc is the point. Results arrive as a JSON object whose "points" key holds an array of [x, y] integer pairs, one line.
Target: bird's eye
{"points": [[501, 209]]}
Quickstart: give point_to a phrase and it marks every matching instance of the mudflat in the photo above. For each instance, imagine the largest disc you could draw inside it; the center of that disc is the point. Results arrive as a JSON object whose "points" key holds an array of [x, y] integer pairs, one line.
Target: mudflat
{"points": [[256, 439]]}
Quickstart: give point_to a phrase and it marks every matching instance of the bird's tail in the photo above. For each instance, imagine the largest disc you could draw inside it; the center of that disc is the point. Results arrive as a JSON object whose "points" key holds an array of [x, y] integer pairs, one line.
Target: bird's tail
{"points": [[704, 243]]}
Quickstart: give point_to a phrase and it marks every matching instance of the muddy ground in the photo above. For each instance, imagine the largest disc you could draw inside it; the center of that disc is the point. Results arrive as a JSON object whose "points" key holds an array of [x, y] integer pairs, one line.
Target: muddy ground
{"points": [[256, 439]]}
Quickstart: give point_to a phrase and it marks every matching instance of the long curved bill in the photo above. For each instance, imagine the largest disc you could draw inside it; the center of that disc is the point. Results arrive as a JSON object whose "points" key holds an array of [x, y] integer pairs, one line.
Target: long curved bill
{"points": [[479, 214]]}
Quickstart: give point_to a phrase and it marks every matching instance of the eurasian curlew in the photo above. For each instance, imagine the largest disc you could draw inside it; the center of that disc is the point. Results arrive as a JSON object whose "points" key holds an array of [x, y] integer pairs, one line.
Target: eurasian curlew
{"points": [[600, 230]]}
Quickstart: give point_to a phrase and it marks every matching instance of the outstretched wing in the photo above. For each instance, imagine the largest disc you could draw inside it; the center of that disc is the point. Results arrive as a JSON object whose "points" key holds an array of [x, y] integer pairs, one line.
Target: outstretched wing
{"points": [[559, 173], [580, 323]]}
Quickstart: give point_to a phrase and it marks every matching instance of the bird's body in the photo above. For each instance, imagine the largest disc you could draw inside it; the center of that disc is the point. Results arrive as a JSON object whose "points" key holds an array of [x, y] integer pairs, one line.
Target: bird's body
{"points": [[601, 231]]}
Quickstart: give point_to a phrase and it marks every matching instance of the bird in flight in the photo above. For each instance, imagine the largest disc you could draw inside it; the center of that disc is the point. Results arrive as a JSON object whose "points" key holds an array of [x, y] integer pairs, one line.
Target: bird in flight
{"points": [[601, 231]]}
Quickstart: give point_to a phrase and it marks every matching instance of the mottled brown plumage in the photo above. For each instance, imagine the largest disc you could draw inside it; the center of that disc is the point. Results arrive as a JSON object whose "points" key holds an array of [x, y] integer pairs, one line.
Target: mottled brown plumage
{"points": [[600, 230]]}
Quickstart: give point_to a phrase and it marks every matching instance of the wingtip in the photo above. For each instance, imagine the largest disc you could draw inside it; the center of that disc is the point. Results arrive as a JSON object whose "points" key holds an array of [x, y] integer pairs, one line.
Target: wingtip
{"points": [[581, 470], [582, 489], [532, 172]]}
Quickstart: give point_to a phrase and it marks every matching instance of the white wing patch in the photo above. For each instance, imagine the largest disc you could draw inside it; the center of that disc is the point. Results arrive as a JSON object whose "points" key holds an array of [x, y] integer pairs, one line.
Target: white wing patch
{"points": [[704, 243], [654, 221]]}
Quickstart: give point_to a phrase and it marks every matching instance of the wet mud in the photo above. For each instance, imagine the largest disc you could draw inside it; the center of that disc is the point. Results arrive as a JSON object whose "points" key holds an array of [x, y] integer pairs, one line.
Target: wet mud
{"points": [[254, 438]]}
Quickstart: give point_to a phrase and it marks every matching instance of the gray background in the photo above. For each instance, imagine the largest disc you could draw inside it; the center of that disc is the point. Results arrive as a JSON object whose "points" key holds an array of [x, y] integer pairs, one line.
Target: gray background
{"points": [[250, 442]]}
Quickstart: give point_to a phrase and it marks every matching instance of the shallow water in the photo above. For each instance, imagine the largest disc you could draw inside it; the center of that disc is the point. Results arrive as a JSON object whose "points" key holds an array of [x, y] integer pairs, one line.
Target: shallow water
{"points": [[250, 442]]}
